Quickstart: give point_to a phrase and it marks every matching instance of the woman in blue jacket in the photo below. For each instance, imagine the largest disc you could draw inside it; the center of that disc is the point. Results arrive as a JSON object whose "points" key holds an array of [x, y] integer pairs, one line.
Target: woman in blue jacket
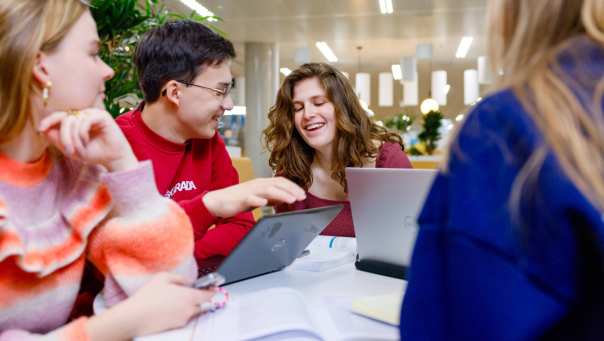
{"points": [[511, 241]]}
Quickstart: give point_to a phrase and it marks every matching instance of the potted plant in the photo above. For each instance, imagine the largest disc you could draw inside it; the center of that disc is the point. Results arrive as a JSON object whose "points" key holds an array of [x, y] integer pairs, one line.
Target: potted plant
{"points": [[400, 122], [121, 24], [430, 133], [429, 136]]}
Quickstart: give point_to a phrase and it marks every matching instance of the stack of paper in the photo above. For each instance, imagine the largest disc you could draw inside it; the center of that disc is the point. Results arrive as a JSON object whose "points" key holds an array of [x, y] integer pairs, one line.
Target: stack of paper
{"points": [[326, 252]]}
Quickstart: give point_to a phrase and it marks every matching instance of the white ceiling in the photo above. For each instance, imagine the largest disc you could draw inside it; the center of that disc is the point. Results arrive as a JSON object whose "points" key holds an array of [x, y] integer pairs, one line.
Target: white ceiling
{"points": [[346, 24]]}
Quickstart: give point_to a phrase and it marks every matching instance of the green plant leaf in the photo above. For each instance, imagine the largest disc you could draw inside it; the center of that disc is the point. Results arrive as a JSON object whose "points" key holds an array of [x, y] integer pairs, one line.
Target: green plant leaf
{"points": [[430, 133]]}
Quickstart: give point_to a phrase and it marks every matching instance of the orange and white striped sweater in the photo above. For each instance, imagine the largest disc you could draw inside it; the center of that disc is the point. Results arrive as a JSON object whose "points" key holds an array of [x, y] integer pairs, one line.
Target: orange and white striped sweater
{"points": [[56, 213]]}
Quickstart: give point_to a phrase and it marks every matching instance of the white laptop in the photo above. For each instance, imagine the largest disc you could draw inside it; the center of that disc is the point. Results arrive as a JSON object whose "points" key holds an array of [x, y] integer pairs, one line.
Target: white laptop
{"points": [[385, 204]]}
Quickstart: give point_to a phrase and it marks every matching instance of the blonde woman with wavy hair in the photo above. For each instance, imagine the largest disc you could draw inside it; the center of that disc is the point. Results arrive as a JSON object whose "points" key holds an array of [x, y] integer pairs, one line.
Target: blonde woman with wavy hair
{"points": [[318, 128], [511, 243], [72, 191]]}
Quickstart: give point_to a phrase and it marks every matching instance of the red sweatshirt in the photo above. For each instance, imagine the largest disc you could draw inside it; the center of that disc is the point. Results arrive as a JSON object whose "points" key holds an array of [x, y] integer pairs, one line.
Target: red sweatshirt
{"points": [[185, 172]]}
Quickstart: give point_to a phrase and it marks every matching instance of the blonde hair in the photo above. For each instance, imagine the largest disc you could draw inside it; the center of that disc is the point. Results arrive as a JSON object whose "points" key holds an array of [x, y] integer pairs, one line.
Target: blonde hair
{"points": [[526, 42], [28, 27]]}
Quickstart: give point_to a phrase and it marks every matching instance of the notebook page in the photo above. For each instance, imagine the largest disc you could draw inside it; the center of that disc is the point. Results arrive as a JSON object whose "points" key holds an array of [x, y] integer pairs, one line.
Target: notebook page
{"points": [[185, 333], [259, 314]]}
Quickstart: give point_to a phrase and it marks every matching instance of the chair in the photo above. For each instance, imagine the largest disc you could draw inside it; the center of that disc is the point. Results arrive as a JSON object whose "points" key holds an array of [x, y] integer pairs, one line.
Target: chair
{"points": [[425, 162], [245, 168]]}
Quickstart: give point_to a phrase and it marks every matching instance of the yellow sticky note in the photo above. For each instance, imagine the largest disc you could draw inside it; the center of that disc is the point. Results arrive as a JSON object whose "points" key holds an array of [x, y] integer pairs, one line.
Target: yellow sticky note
{"points": [[385, 308]]}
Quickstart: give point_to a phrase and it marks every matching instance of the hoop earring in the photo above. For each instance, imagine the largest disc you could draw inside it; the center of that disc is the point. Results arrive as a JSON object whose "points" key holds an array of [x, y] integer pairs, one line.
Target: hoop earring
{"points": [[45, 93]]}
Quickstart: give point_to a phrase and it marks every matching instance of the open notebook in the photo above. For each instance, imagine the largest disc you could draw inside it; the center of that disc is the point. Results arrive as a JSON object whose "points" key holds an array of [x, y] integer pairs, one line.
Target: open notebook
{"points": [[282, 314]]}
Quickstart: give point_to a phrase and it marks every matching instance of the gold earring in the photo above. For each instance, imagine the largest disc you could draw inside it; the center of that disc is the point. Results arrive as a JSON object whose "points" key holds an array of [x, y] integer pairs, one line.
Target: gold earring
{"points": [[45, 92]]}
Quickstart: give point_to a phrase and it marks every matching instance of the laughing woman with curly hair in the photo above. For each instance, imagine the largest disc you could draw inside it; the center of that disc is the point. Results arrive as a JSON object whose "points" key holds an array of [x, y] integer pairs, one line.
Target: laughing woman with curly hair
{"points": [[317, 129]]}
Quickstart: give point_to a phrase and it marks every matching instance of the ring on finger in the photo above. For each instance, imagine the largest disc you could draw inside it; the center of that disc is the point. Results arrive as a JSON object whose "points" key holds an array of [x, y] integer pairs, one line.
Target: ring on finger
{"points": [[75, 113], [218, 301]]}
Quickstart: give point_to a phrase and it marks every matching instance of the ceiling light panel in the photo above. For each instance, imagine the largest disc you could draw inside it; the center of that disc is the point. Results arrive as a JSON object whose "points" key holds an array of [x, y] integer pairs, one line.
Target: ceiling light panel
{"points": [[326, 51], [464, 47], [199, 8]]}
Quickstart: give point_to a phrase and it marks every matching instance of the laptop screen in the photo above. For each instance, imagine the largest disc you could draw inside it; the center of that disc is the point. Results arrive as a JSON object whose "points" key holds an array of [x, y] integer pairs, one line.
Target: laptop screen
{"points": [[385, 203]]}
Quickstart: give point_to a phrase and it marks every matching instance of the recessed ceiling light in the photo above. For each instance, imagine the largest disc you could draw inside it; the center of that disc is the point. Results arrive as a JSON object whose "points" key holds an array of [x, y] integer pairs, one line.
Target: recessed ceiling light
{"points": [[464, 47], [326, 51], [199, 8]]}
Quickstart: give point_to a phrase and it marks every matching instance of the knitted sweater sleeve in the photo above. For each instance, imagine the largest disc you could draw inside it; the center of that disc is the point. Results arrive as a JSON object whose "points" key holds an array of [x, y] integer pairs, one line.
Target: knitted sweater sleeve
{"points": [[116, 220], [144, 234], [74, 331]]}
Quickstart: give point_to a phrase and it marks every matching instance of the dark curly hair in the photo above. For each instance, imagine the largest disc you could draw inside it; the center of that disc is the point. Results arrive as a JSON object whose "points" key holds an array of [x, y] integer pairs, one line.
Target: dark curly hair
{"points": [[355, 138]]}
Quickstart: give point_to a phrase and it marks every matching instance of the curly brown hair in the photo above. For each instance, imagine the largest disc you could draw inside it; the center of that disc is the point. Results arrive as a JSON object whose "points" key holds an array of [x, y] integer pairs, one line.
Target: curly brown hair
{"points": [[355, 138]]}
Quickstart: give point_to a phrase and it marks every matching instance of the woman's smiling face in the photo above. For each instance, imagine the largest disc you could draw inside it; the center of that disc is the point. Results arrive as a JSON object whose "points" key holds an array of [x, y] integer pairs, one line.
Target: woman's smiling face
{"points": [[314, 114]]}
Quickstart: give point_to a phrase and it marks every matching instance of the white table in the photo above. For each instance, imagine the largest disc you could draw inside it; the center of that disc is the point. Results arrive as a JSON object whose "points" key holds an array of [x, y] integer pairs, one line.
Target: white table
{"points": [[342, 281]]}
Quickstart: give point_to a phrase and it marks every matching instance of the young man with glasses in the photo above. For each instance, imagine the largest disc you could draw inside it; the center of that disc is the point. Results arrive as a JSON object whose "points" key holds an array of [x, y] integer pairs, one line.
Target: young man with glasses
{"points": [[184, 72]]}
